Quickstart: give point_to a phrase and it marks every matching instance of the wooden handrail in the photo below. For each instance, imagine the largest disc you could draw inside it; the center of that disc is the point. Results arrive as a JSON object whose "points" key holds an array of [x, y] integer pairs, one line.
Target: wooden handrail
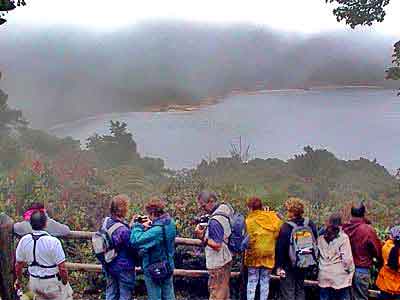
{"points": [[87, 235], [186, 273]]}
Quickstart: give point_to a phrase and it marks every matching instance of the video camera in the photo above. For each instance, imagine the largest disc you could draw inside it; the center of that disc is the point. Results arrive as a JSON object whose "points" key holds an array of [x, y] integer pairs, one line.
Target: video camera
{"points": [[201, 220], [141, 219]]}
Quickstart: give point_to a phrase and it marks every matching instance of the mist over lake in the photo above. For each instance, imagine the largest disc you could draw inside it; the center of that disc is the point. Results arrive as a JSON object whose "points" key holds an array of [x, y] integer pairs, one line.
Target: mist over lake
{"points": [[350, 122]]}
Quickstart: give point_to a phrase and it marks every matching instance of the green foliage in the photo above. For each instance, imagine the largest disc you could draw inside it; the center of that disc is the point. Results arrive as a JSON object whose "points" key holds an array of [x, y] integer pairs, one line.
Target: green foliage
{"points": [[394, 71], [9, 118], [319, 165], [360, 12], [44, 143], [366, 12], [115, 149], [10, 153]]}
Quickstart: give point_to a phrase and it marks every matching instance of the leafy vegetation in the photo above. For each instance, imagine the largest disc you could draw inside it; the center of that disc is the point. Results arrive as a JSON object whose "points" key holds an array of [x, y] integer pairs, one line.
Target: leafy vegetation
{"points": [[366, 12]]}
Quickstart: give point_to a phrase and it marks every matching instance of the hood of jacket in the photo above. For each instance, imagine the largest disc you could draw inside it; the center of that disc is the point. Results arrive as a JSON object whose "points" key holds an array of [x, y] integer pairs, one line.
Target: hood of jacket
{"points": [[165, 219], [268, 220], [224, 209], [354, 224]]}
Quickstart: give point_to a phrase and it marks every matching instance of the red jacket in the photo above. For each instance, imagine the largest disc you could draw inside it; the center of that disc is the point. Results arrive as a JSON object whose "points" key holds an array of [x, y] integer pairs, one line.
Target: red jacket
{"points": [[365, 243]]}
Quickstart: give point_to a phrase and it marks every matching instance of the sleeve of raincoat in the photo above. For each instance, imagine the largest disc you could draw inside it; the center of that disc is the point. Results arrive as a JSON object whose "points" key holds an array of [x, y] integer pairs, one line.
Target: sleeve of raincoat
{"points": [[145, 239]]}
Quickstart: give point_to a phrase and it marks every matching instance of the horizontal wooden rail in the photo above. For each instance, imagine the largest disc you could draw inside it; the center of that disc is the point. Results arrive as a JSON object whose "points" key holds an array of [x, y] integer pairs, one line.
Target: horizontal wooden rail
{"points": [[186, 273], [87, 235]]}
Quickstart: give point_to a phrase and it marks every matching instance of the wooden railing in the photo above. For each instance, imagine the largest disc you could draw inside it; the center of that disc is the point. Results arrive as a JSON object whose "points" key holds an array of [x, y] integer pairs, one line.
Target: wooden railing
{"points": [[7, 250]]}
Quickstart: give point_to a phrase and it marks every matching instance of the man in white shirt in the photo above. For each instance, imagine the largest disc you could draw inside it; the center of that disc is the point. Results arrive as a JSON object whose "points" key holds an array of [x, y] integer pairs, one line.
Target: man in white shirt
{"points": [[45, 258]]}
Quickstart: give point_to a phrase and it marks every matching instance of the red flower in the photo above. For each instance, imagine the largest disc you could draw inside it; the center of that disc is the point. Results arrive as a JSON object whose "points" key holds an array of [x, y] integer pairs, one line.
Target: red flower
{"points": [[37, 167]]}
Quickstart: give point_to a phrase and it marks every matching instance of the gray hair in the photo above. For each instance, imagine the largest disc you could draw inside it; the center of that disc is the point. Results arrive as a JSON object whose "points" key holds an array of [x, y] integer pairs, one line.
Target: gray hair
{"points": [[205, 196]]}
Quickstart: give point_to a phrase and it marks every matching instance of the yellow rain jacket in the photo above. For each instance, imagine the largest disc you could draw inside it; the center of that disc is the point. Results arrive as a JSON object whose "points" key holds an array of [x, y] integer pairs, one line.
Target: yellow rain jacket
{"points": [[263, 229], [388, 279]]}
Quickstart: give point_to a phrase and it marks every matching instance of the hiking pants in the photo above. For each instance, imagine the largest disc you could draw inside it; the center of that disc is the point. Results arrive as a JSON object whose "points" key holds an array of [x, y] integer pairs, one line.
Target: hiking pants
{"points": [[52, 288], [256, 275], [361, 280], [218, 282], [292, 286]]}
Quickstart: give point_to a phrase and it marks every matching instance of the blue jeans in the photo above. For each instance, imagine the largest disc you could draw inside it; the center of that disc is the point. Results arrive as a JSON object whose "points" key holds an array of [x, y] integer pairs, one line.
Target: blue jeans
{"points": [[120, 286], [332, 294], [256, 275], [163, 291], [362, 277]]}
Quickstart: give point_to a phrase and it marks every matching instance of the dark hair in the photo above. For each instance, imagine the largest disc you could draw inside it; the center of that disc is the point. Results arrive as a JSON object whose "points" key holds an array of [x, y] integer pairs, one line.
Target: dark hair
{"points": [[254, 203], [393, 260], [205, 196], [333, 228], [358, 210], [38, 220], [36, 205]]}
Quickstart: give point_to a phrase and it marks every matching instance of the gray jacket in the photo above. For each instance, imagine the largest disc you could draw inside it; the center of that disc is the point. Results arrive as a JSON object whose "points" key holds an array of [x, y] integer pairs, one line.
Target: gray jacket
{"points": [[53, 227], [218, 259]]}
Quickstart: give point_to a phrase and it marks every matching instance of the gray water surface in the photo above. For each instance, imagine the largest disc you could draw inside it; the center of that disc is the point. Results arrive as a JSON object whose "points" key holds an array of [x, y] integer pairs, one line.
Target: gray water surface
{"points": [[351, 123]]}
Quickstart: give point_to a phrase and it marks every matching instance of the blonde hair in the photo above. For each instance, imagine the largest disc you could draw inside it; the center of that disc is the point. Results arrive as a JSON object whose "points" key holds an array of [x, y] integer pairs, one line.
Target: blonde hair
{"points": [[119, 205], [295, 206]]}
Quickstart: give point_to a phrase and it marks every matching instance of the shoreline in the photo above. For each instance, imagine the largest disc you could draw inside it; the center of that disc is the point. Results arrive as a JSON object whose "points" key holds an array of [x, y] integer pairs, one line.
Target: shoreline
{"points": [[214, 100]]}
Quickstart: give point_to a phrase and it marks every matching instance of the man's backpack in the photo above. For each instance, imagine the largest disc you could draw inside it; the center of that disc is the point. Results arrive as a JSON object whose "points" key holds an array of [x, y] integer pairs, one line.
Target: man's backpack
{"points": [[238, 240], [102, 243], [303, 248]]}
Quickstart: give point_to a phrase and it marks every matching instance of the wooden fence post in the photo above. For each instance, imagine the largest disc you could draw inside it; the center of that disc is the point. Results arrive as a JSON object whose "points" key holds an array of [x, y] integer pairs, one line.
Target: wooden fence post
{"points": [[6, 258]]}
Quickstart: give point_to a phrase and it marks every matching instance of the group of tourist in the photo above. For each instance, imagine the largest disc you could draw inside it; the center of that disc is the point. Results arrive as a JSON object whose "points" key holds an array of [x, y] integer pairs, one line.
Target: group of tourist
{"points": [[341, 254]]}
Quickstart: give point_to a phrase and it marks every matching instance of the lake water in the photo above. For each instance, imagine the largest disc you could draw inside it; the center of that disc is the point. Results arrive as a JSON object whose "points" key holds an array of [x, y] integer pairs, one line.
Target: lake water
{"points": [[351, 122]]}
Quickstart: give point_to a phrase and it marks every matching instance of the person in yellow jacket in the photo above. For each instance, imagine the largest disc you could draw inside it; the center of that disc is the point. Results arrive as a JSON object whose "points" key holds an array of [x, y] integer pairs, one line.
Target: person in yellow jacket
{"points": [[388, 280], [263, 229]]}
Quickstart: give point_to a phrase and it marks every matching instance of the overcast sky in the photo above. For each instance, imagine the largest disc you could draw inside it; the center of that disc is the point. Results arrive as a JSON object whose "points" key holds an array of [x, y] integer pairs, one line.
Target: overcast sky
{"points": [[309, 16]]}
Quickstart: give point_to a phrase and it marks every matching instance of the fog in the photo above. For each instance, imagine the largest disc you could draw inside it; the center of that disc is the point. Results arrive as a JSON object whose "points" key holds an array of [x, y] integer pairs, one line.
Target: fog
{"points": [[58, 74]]}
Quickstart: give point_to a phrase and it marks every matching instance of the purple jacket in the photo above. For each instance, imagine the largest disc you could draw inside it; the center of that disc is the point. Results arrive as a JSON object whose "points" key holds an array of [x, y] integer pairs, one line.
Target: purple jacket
{"points": [[125, 259]]}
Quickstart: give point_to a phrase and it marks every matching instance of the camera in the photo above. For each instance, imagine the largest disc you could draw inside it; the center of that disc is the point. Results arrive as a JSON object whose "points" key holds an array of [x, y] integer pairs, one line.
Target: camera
{"points": [[141, 219], [202, 220]]}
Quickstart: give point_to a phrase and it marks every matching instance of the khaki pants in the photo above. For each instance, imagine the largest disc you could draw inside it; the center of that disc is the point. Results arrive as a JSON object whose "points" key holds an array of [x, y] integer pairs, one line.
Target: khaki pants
{"points": [[218, 282], [50, 289]]}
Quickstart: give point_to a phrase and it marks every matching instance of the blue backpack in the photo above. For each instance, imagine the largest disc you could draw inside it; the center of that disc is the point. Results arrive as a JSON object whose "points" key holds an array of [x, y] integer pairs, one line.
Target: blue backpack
{"points": [[239, 239]]}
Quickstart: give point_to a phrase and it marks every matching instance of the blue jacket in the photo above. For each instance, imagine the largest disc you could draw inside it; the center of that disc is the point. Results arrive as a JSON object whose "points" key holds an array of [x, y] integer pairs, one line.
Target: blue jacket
{"points": [[125, 260], [150, 243]]}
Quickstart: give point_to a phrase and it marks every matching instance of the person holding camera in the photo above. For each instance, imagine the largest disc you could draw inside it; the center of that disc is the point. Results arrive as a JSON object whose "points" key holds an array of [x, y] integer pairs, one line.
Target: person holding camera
{"points": [[154, 238], [215, 236]]}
